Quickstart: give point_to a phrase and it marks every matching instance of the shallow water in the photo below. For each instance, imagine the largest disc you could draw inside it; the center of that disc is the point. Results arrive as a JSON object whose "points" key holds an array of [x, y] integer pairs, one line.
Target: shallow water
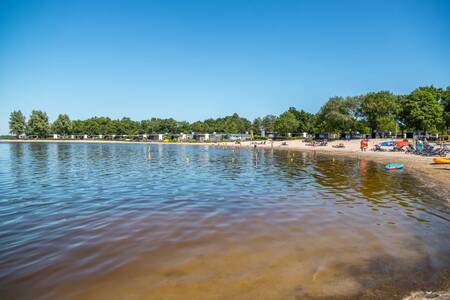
{"points": [[103, 221]]}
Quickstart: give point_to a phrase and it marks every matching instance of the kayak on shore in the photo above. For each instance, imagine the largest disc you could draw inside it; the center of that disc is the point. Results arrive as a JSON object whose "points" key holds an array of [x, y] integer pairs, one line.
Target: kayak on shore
{"points": [[442, 160]]}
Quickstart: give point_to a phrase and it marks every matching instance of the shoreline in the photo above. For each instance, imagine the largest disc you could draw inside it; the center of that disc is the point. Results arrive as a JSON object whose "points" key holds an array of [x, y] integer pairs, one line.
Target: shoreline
{"points": [[436, 176]]}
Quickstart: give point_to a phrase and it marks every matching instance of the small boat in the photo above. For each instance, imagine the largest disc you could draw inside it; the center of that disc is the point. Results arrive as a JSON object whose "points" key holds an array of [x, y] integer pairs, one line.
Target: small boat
{"points": [[391, 167], [442, 160]]}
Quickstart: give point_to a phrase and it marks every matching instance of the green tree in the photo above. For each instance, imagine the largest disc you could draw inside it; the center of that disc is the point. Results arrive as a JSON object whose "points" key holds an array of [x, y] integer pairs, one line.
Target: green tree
{"points": [[38, 124], [380, 110], [422, 110], [78, 127], [151, 126], [92, 126], [62, 125], [184, 127], [338, 115], [268, 123], [445, 101], [169, 126], [236, 124], [104, 125], [126, 126], [286, 123], [198, 126], [305, 120], [17, 123], [257, 125]]}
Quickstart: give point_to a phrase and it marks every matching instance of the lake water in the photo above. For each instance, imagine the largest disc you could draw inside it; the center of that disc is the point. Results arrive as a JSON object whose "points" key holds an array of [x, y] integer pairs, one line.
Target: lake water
{"points": [[129, 221]]}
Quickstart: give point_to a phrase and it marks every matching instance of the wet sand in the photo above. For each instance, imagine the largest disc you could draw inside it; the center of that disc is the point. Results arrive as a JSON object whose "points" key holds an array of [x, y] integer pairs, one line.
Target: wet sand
{"points": [[259, 259]]}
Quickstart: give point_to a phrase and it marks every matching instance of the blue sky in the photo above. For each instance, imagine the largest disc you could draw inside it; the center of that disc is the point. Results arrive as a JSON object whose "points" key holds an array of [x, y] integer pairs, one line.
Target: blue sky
{"points": [[197, 59]]}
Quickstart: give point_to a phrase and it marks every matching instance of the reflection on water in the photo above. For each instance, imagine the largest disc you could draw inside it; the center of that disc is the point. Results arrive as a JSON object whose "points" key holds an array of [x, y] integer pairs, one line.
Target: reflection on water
{"points": [[102, 221]]}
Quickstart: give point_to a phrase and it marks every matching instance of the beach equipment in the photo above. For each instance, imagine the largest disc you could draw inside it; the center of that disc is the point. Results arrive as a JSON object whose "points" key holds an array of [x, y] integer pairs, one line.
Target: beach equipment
{"points": [[385, 146], [442, 160], [391, 167], [402, 144], [388, 144]]}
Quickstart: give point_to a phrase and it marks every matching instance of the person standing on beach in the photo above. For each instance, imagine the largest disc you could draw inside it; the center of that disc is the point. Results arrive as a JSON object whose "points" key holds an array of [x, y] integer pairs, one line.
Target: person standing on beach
{"points": [[364, 144]]}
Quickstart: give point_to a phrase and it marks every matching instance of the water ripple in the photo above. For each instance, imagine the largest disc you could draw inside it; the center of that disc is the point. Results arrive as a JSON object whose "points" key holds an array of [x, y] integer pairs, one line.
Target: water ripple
{"points": [[73, 212]]}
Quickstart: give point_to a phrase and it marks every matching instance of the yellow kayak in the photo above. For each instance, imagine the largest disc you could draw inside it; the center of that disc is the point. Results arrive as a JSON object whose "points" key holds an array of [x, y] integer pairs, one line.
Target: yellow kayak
{"points": [[442, 160]]}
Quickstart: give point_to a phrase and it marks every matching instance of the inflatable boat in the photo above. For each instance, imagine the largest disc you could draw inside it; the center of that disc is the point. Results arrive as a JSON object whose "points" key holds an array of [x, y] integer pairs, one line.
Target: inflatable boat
{"points": [[391, 167]]}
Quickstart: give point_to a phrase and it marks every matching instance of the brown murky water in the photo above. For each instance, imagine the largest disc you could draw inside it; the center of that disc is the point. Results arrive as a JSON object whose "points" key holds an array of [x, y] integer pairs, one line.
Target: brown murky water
{"points": [[184, 222]]}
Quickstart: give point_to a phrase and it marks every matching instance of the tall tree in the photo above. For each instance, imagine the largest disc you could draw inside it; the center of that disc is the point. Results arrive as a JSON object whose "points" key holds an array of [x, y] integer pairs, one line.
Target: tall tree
{"points": [[257, 125], [268, 123], [236, 124], [17, 123], [305, 120], [78, 127], [126, 126], [338, 115], [198, 126], [62, 125], [445, 101], [184, 126], [286, 123], [380, 110], [38, 124], [421, 110]]}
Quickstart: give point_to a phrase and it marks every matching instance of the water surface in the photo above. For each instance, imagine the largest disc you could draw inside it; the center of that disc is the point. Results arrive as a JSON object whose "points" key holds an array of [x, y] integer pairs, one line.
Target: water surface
{"points": [[104, 221]]}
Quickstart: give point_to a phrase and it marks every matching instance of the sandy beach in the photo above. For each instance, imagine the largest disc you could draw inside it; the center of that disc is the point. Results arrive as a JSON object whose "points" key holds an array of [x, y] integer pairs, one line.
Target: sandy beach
{"points": [[436, 176]]}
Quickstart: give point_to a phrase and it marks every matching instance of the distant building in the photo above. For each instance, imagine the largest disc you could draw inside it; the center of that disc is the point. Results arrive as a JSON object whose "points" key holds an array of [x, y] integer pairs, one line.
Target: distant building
{"points": [[326, 136], [156, 137], [299, 134], [201, 137], [216, 137], [237, 136], [182, 137]]}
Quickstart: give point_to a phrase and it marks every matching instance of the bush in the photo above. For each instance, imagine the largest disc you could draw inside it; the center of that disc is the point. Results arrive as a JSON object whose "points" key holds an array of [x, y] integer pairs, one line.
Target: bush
{"points": [[260, 138]]}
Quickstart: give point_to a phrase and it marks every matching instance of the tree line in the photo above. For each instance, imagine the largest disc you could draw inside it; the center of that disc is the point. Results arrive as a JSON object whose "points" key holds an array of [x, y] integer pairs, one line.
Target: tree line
{"points": [[425, 109]]}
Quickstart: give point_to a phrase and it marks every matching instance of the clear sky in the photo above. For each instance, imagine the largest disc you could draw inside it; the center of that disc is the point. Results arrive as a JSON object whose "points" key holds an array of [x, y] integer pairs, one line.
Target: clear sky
{"points": [[197, 59]]}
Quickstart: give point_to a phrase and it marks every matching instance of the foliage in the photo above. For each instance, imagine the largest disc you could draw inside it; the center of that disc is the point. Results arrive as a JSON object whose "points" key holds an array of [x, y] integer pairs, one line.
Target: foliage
{"points": [[422, 110], [286, 123], [445, 101], [38, 124], [338, 115], [306, 121], [379, 110], [62, 125], [260, 138], [17, 123], [257, 125], [268, 123], [126, 126], [228, 124]]}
